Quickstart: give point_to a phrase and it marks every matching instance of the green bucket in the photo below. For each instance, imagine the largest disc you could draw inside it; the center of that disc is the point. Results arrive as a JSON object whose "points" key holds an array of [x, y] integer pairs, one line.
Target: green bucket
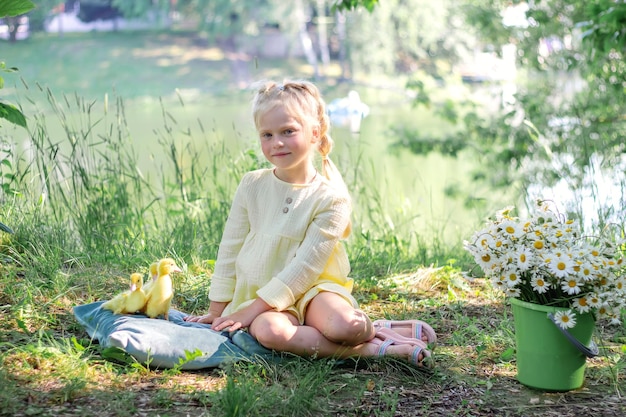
{"points": [[546, 359]]}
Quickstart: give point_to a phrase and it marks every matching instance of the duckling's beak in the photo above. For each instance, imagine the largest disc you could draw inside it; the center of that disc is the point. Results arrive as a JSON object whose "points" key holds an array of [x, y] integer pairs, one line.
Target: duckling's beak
{"points": [[133, 287], [175, 268]]}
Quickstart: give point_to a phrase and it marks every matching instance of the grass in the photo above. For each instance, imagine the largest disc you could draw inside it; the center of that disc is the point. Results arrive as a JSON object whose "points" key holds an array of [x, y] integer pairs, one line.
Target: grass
{"points": [[84, 217], [134, 65]]}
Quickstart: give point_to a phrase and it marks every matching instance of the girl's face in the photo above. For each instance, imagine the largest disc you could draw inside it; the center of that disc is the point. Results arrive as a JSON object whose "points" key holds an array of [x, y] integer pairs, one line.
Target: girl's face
{"points": [[287, 144]]}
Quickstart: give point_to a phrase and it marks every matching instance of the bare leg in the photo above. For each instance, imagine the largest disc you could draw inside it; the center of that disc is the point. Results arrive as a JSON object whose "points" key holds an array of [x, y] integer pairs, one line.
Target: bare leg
{"points": [[338, 320]]}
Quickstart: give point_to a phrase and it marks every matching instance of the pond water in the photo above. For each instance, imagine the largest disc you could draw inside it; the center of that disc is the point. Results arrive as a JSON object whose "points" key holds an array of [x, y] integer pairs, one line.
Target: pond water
{"points": [[413, 191]]}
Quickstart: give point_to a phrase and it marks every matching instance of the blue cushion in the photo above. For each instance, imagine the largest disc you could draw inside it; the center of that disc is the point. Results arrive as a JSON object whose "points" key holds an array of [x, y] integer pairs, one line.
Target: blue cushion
{"points": [[168, 343]]}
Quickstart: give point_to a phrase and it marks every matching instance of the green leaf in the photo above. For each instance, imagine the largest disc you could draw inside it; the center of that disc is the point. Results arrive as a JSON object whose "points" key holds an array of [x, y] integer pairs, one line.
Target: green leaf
{"points": [[349, 5], [77, 345], [20, 323], [12, 114], [508, 354], [7, 229], [118, 355], [15, 7]]}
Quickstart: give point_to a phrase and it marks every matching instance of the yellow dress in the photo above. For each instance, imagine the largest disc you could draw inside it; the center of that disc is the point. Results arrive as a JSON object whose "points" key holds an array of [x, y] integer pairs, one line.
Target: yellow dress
{"points": [[282, 244]]}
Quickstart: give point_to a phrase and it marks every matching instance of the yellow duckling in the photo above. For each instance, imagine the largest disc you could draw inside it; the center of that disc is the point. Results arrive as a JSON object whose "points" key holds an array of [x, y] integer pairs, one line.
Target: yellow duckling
{"points": [[159, 299], [154, 273], [129, 301]]}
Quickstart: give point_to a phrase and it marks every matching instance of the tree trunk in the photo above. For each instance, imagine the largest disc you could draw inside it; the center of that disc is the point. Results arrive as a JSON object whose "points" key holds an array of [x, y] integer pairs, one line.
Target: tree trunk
{"points": [[305, 39], [14, 24], [322, 33], [341, 35], [236, 55]]}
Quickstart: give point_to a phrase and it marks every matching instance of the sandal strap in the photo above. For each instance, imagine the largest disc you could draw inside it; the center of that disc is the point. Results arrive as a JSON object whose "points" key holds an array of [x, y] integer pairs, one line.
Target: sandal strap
{"points": [[382, 348]]}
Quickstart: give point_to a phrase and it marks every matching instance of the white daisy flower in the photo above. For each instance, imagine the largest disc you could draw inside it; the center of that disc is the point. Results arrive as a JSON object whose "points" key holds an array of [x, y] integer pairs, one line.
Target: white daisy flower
{"points": [[512, 292], [511, 229], [593, 300], [512, 278], [504, 213], [561, 265], [620, 285], [484, 259], [539, 284], [484, 241], [499, 282], [581, 304], [538, 243], [565, 319], [524, 258], [604, 310], [544, 259], [571, 286], [586, 271]]}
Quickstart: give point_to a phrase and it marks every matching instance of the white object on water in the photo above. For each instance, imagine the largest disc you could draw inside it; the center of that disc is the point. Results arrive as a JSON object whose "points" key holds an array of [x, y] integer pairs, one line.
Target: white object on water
{"points": [[348, 111]]}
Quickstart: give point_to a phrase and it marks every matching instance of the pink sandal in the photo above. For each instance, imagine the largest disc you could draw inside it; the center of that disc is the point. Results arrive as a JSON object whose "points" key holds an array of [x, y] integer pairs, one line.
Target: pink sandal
{"points": [[384, 333], [420, 348], [418, 328]]}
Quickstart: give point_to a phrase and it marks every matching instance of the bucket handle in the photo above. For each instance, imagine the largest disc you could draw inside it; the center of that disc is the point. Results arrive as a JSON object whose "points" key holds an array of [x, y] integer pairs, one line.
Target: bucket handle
{"points": [[589, 352]]}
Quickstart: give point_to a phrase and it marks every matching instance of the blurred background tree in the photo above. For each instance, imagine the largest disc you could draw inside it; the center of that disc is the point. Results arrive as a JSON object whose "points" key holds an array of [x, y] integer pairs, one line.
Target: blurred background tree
{"points": [[554, 115], [564, 126]]}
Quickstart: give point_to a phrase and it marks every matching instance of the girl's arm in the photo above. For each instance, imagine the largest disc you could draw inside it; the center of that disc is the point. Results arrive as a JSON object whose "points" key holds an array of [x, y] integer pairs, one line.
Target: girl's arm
{"points": [[235, 231]]}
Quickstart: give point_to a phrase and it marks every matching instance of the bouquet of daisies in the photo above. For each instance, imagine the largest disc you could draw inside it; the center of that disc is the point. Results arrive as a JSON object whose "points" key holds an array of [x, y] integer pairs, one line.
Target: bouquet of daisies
{"points": [[546, 260]]}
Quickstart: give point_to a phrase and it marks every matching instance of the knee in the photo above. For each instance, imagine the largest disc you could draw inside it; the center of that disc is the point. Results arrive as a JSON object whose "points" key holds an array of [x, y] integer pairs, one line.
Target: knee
{"points": [[269, 333], [351, 328]]}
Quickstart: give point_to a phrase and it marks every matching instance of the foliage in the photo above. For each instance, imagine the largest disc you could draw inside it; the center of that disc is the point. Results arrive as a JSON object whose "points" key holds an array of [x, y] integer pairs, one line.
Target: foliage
{"points": [[566, 121], [15, 7], [86, 183], [43, 11], [8, 111], [545, 260], [140, 8], [354, 4], [431, 41], [111, 210], [5, 228]]}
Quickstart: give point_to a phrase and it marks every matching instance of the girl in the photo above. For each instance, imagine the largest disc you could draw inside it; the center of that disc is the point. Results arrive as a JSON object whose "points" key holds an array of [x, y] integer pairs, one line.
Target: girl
{"points": [[281, 269]]}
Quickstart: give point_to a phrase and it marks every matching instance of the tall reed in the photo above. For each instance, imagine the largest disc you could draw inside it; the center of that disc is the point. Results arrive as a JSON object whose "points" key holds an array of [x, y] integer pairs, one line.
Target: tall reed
{"points": [[89, 201]]}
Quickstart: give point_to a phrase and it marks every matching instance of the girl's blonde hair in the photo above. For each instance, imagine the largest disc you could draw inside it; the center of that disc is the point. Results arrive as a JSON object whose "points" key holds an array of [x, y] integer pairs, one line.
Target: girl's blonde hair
{"points": [[303, 101]]}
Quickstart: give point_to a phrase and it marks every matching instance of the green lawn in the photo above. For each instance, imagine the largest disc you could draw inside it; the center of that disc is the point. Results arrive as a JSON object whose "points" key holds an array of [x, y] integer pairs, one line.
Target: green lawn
{"points": [[130, 64]]}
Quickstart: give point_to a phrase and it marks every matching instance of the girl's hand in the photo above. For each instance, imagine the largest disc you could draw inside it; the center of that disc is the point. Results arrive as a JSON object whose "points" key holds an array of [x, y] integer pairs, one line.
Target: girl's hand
{"points": [[215, 310], [242, 318], [207, 318], [235, 321]]}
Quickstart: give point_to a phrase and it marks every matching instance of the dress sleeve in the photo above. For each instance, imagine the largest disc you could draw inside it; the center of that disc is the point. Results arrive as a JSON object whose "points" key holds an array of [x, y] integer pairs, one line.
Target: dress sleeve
{"points": [[323, 233], [235, 231]]}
